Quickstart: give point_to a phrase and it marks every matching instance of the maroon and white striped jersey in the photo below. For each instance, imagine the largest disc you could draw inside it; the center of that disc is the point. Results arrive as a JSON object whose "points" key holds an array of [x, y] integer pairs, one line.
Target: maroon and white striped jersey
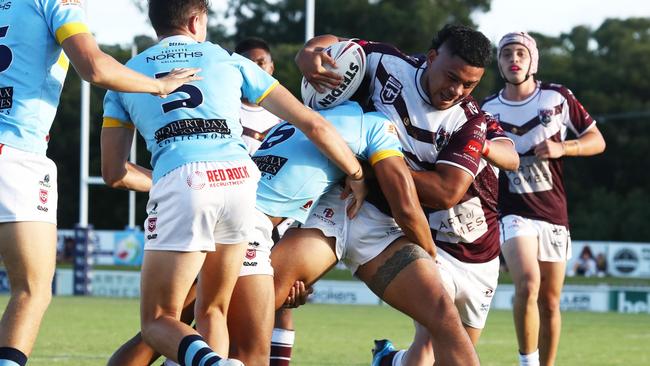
{"points": [[470, 230], [429, 136], [454, 136], [536, 190]]}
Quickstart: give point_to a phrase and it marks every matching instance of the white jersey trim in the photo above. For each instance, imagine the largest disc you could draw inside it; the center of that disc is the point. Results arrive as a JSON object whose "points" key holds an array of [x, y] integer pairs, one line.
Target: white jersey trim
{"points": [[456, 165]]}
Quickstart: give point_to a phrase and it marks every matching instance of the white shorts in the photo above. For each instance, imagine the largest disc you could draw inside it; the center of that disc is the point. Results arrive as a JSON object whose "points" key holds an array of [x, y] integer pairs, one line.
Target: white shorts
{"points": [[257, 260], [359, 240], [201, 204], [470, 285], [554, 241], [28, 190]]}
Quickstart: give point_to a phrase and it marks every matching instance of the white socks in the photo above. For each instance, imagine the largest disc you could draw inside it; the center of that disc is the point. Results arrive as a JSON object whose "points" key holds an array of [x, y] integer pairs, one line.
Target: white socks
{"points": [[397, 360], [531, 359]]}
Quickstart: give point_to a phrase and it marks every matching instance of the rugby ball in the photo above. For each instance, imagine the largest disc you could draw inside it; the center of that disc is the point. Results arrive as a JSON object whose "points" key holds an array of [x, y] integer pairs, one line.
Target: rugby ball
{"points": [[351, 65]]}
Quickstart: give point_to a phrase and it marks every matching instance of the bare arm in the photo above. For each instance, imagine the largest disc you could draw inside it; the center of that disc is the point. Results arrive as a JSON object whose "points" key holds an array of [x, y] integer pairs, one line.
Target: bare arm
{"points": [[310, 60], [443, 188], [399, 189], [501, 153], [100, 69], [590, 143], [116, 170]]}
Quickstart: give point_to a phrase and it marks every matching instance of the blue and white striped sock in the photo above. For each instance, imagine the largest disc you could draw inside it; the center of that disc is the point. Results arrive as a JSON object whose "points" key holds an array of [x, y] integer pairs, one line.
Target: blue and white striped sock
{"points": [[193, 351], [12, 357]]}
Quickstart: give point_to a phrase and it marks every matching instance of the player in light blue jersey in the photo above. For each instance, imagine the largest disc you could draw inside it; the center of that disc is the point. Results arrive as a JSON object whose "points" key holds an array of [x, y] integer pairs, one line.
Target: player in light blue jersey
{"points": [[35, 38], [294, 177], [295, 174], [203, 182]]}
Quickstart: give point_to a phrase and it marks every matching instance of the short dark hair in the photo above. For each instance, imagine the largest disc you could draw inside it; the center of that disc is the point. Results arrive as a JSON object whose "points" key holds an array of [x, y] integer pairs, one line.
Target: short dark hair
{"points": [[169, 15], [252, 43], [464, 42]]}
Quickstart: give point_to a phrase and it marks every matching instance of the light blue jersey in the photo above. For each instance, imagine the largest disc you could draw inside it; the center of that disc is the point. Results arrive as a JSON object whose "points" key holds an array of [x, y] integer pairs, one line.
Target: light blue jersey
{"points": [[199, 121], [33, 67], [295, 173]]}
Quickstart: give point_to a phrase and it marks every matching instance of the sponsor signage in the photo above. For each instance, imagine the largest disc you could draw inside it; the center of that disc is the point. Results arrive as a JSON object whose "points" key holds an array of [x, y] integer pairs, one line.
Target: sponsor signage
{"points": [[574, 298], [343, 292], [105, 283], [629, 260], [110, 247], [630, 301], [618, 259]]}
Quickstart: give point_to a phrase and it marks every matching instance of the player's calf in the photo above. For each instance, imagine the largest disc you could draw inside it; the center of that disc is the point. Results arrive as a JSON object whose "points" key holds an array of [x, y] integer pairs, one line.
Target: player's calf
{"points": [[407, 278]]}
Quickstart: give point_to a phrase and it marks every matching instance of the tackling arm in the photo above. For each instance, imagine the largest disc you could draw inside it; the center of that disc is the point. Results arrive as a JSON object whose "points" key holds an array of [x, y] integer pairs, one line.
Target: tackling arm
{"points": [[443, 188], [399, 189], [116, 170]]}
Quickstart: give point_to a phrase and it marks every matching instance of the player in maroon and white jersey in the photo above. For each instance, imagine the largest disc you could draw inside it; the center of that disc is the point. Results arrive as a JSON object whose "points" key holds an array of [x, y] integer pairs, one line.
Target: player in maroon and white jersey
{"points": [[532, 200], [255, 120], [468, 236], [441, 129]]}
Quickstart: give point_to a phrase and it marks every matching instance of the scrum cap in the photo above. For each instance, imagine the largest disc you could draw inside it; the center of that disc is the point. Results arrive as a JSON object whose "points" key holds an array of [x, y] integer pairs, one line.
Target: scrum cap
{"points": [[525, 40]]}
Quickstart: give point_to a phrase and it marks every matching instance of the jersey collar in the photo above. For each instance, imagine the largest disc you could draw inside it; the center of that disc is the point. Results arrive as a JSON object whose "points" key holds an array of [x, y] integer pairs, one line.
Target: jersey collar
{"points": [[535, 93], [418, 82], [177, 40]]}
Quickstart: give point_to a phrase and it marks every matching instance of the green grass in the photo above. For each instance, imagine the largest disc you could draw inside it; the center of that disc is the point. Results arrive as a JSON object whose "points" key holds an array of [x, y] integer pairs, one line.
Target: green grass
{"points": [[80, 331]]}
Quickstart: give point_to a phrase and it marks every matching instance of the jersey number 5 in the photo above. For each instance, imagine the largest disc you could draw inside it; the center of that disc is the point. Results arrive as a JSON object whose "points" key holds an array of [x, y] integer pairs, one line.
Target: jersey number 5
{"points": [[195, 96], [281, 134], [5, 52]]}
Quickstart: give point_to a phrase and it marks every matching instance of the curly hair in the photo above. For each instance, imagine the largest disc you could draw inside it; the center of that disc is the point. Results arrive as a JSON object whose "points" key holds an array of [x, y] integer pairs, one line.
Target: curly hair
{"points": [[464, 42], [167, 16]]}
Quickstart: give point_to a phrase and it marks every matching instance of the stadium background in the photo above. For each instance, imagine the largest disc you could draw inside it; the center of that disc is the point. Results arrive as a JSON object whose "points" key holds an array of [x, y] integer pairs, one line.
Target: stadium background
{"points": [[607, 67]]}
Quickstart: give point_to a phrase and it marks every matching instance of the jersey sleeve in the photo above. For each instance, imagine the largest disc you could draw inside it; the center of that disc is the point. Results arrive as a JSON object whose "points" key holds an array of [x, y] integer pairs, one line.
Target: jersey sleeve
{"points": [[114, 113], [381, 138], [257, 82], [494, 130], [65, 18], [465, 144], [578, 119]]}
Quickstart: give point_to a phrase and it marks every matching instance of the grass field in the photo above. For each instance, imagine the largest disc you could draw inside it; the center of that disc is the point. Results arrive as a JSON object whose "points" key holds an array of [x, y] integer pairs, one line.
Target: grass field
{"points": [[80, 331]]}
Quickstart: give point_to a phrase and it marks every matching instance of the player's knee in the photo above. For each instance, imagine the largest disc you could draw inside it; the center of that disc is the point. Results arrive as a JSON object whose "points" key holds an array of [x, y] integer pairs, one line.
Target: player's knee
{"points": [[549, 303], [527, 289], [209, 314], [148, 330], [33, 296]]}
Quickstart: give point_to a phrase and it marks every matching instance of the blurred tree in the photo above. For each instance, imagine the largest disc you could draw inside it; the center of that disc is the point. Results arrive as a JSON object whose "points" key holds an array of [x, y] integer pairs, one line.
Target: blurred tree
{"points": [[410, 24]]}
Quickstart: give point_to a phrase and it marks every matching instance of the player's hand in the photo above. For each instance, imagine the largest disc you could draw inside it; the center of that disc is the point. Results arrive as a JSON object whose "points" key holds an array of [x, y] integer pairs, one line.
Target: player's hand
{"points": [[298, 295], [359, 191], [175, 79], [548, 149], [310, 63]]}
